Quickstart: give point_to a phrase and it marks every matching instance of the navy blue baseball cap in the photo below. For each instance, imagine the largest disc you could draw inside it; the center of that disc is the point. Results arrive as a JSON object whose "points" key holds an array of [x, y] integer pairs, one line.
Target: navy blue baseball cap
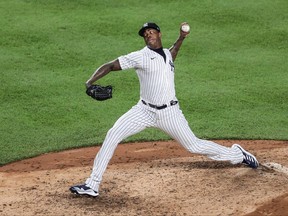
{"points": [[148, 25]]}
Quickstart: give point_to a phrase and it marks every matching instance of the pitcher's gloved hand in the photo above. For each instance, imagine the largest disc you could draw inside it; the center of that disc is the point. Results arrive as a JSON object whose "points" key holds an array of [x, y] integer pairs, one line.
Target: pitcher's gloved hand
{"points": [[99, 93]]}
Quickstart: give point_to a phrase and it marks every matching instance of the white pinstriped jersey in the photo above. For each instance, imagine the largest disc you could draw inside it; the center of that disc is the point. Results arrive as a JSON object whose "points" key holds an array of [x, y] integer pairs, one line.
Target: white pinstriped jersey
{"points": [[157, 87], [156, 76]]}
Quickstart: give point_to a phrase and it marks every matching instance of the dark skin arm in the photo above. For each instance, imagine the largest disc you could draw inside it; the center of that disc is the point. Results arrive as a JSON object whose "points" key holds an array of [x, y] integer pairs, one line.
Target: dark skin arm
{"points": [[176, 46], [103, 71]]}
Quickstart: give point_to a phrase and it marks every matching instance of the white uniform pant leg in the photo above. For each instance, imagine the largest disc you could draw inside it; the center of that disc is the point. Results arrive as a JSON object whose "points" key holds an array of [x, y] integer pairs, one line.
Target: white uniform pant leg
{"points": [[132, 122], [173, 122]]}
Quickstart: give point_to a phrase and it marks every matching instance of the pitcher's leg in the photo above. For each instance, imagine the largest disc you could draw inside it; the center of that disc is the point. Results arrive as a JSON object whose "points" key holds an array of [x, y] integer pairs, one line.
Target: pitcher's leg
{"points": [[132, 122], [177, 127]]}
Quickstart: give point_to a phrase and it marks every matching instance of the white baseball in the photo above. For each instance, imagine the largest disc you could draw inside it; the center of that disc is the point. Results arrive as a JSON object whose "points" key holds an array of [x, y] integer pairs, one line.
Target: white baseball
{"points": [[185, 28]]}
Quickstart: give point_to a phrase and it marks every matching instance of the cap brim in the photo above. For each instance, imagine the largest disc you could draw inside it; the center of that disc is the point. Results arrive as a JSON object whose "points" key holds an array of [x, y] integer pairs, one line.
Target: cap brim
{"points": [[141, 31]]}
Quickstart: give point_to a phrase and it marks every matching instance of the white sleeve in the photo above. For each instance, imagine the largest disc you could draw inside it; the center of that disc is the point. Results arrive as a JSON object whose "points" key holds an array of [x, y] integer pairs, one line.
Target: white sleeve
{"points": [[131, 60]]}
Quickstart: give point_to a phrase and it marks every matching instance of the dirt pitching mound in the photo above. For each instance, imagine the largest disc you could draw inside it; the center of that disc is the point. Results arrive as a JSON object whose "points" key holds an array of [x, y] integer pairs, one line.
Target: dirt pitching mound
{"points": [[152, 178]]}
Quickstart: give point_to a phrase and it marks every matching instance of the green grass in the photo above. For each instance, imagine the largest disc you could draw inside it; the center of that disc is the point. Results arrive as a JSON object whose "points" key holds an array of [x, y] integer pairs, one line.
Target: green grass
{"points": [[231, 73]]}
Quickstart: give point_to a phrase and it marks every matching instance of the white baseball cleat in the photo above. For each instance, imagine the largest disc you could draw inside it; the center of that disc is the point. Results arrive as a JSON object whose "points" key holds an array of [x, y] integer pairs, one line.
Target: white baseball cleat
{"points": [[83, 190]]}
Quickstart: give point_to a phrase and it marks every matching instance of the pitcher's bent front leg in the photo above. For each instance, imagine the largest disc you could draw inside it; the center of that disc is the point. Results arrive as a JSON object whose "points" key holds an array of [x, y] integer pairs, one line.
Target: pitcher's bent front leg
{"points": [[132, 122]]}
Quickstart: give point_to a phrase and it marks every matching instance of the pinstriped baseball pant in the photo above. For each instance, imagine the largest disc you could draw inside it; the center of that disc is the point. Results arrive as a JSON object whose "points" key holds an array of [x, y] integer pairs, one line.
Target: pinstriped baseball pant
{"points": [[170, 120]]}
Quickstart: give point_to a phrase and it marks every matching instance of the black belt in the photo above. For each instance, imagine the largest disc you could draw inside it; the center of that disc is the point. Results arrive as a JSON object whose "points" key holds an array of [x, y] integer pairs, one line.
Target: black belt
{"points": [[172, 103]]}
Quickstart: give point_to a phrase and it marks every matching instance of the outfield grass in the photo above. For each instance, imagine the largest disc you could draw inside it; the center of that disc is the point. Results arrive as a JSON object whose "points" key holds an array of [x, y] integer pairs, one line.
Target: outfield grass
{"points": [[231, 73]]}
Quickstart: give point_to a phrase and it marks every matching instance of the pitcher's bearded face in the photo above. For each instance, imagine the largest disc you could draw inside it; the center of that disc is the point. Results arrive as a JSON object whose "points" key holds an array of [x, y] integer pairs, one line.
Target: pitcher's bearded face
{"points": [[152, 38]]}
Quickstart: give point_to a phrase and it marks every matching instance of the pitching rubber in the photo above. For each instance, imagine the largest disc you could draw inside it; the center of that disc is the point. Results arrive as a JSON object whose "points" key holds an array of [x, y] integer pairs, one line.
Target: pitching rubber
{"points": [[276, 167]]}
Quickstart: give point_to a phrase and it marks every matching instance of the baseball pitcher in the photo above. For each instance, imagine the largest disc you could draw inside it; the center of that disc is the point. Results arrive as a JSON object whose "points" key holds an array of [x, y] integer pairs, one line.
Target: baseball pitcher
{"points": [[157, 107]]}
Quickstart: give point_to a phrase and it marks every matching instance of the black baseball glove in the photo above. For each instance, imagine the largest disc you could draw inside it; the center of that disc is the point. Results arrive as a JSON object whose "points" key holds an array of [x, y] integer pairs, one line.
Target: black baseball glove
{"points": [[99, 93]]}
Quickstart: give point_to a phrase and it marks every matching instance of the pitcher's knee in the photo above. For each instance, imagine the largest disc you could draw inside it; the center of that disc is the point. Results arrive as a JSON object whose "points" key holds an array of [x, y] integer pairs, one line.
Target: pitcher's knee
{"points": [[116, 134]]}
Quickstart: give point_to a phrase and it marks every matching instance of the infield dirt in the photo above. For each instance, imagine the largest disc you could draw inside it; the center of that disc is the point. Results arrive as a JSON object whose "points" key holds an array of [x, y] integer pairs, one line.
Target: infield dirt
{"points": [[152, 178]]}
